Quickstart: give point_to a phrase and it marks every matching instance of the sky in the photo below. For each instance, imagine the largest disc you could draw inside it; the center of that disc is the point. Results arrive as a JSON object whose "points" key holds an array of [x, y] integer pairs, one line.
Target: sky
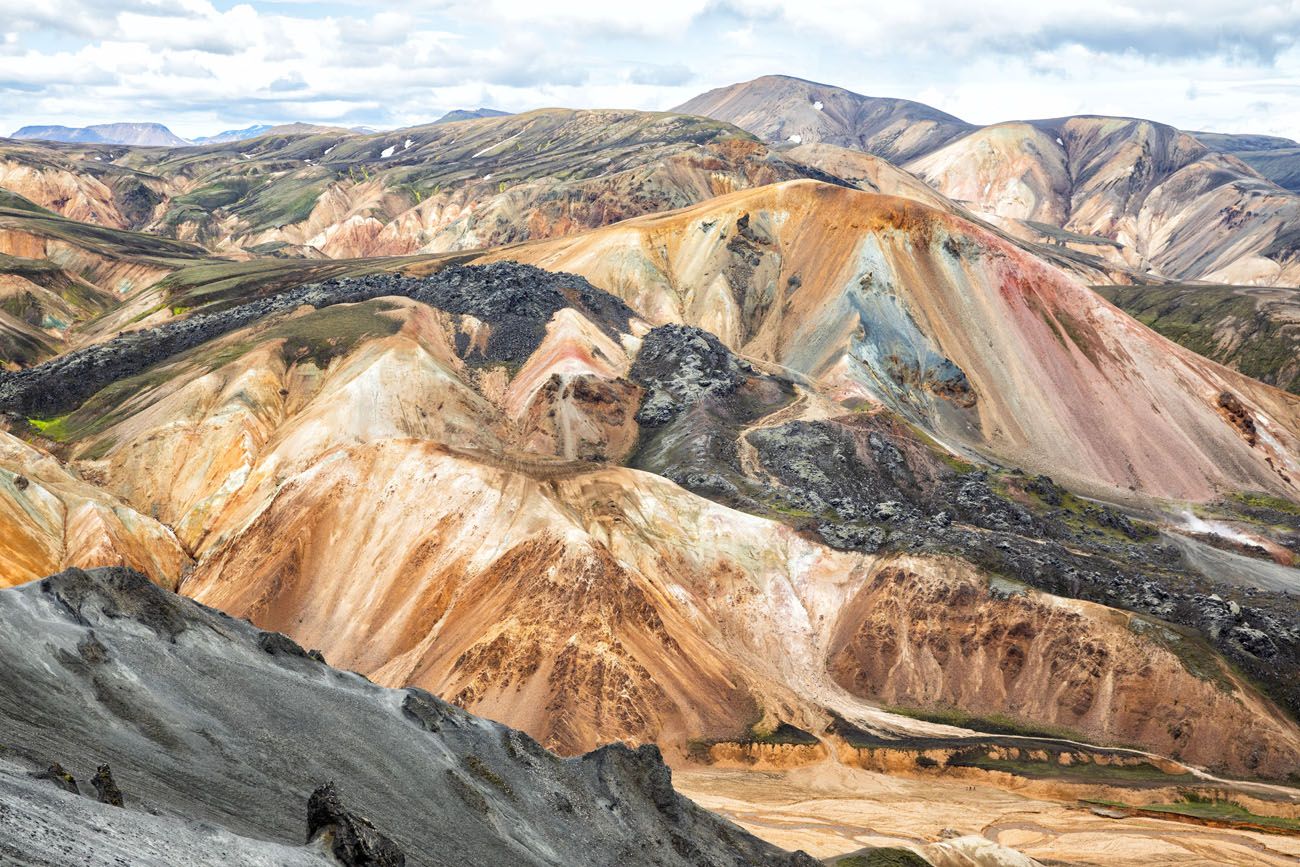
{"points": [[202, 66]]}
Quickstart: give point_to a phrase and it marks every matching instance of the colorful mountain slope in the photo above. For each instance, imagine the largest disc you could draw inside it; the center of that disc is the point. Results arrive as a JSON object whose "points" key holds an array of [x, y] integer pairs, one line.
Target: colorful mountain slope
{"points": [[889, 301], [1173, 205], [780, 108], [403, 431]]}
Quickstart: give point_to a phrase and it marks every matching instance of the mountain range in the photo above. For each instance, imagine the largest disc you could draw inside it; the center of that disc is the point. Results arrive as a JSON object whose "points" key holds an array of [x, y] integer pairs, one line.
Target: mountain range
{"points": [[1137, 192], [139, 134], [157, 135], [793, 431]]}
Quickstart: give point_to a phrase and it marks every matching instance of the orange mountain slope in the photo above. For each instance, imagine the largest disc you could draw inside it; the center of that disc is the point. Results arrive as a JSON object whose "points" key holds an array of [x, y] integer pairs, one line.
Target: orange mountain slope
{"points": [[887, 300]]}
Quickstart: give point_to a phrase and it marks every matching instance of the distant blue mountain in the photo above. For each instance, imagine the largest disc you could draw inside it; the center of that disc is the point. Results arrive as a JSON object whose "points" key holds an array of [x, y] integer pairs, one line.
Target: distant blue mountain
{"points": [[142, 134], [236, 134], [470, 114]]}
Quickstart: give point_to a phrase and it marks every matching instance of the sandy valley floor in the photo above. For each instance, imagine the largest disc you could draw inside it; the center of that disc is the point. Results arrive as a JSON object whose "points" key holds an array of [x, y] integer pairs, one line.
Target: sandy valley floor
{"points": [[830, 809]]}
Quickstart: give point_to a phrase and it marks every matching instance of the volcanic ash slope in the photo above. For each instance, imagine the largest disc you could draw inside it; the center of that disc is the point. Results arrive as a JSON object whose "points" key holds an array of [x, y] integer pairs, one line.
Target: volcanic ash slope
{"points": [[217, 733]]}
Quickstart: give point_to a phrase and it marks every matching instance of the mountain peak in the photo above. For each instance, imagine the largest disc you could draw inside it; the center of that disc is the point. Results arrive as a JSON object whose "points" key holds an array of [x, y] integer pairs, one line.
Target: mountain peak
{"points": [[782, 108], [470, 114]]}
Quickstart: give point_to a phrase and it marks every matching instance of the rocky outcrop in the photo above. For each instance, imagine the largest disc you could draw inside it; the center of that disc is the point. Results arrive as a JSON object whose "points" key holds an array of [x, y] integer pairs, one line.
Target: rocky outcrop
{"points": [[118, 593], [680, 366], [59, 777], [351, 838], [106, 790]]}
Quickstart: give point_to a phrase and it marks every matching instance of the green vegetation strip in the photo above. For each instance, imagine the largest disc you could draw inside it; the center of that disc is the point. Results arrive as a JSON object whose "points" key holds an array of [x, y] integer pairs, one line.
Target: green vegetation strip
{"points": [[1078, 772], [1248, 328], [995, 723], [1210, 809]]}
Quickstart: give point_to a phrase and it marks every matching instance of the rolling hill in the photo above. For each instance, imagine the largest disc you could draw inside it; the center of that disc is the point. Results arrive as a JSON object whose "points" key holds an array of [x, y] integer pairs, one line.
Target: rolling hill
{"points": [[616, 425], [1171, 204]]}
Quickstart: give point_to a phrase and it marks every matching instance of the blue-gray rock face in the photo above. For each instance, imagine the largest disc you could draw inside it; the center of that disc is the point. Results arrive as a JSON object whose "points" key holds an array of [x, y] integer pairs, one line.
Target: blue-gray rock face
{"points": [[219, 736]]}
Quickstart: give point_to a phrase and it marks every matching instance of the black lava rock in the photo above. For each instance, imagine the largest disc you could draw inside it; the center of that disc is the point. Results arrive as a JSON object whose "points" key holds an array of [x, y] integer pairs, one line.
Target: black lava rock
{"points": [[679, 366], [516, 300], [106, 790], [353, 839], [60, 777]]}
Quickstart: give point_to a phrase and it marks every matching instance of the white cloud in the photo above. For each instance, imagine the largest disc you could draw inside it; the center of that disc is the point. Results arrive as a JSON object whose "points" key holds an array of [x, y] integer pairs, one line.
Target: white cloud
{"points": [[200, 68], [662, 18]]}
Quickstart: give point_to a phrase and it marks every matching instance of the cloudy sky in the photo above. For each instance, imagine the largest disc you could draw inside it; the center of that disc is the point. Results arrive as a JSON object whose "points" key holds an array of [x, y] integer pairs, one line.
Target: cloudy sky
{"points": [[201, 66]]}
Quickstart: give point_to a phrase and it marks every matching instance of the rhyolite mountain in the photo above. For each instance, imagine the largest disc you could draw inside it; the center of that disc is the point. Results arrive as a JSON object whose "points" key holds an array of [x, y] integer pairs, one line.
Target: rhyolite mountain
{"points": [[780, 108], [1274, 157], [614, 425], [1178, 205]]}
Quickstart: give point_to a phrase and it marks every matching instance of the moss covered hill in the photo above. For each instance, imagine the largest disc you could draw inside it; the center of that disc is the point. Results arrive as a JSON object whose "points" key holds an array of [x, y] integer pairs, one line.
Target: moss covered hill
{"points": [[442, 186], [1274, 157], [1253, 329], [58, 275]]}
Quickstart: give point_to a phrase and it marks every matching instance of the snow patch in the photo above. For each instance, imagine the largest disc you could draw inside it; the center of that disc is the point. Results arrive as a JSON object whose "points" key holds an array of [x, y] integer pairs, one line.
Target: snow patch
{"points": [[495, 146], [328, 149], [817, 104], [387, 152], [99, 159], [1058, 141], [796, 138], [488, 176], [408, 144]]}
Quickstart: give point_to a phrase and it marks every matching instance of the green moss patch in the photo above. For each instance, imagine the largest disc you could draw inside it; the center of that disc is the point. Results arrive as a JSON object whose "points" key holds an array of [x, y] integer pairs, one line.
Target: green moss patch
{"points": [[481, 770], [51, 428], [889, 856], [1077, 772], [1192, 651], [1224, 810], [1255, 500], [1248, 328], [322, 336], [995, 723]]}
